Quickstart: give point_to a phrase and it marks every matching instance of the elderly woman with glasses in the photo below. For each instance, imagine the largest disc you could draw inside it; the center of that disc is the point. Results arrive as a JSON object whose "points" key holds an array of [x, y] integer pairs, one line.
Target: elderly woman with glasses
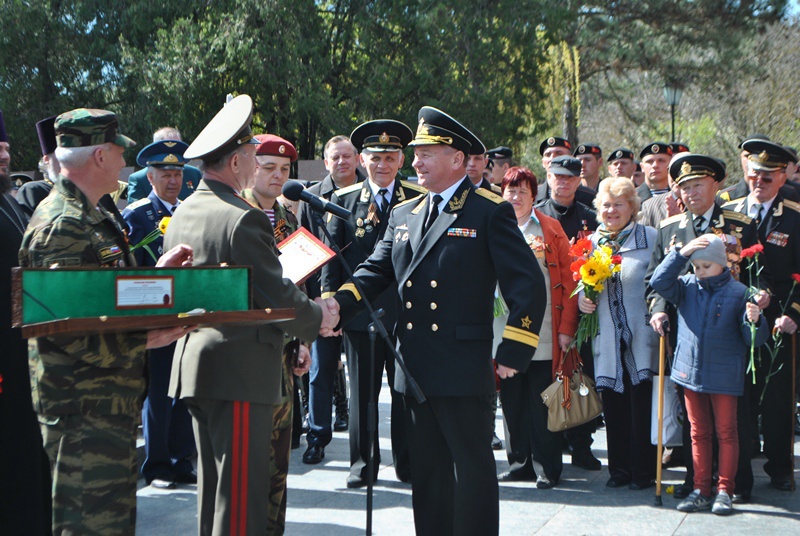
{"points": [[626, 347]]}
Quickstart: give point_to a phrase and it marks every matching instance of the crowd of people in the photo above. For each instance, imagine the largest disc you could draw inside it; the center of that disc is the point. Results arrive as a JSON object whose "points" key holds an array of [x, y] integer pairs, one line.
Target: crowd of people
{"points": [[472, 267]]}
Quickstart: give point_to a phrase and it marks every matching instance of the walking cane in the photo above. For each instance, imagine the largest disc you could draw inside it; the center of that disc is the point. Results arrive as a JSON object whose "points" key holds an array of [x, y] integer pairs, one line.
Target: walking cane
{"points": [[662, 350], [794, 399]]}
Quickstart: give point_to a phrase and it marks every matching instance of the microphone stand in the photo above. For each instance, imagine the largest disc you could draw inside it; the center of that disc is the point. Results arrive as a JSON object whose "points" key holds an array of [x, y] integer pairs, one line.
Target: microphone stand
{"points": [[375, 328]]}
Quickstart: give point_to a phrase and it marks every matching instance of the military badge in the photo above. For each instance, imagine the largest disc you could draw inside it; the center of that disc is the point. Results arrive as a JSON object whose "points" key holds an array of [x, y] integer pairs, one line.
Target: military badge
{"points": [[526, 322], [778, 239], [369, 228], [372, 216], [405, 236], [364, 195], [458, 204], [461, 232], [360, 232], [536, 244]]}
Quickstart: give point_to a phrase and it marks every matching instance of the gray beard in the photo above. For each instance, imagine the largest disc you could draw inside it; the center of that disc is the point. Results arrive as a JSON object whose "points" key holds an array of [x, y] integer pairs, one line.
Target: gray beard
{"points": [[5, 183]]}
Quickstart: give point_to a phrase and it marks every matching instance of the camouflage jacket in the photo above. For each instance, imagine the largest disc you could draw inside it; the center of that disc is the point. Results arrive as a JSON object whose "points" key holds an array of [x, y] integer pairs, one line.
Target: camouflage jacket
{"points": [[101, 374]]}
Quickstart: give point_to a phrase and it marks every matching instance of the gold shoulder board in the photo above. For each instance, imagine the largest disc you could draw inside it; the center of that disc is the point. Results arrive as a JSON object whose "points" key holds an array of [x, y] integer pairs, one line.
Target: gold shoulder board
{"points": [[794, 205], [738, 216], [671, 220], [491, 196], [413, 186], [347, 189]]}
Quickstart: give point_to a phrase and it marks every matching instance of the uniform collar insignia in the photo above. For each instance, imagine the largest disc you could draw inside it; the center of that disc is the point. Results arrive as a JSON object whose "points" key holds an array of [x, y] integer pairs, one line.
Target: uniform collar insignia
{"points": [[458, 204]]}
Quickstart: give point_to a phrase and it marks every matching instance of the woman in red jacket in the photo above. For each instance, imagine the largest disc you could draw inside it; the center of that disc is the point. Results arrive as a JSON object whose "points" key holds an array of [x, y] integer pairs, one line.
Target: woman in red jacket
{"points": [[533, 451]]}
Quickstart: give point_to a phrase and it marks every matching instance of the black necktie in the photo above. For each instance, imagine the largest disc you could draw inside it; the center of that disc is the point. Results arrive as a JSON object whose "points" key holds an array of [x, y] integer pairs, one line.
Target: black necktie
{"points": [[698, 225], [433, 214], [384, 202]]}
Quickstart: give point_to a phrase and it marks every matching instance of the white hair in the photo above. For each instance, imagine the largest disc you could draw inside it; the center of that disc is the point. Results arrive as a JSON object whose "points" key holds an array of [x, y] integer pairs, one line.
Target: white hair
{"points": [[75, 157]]}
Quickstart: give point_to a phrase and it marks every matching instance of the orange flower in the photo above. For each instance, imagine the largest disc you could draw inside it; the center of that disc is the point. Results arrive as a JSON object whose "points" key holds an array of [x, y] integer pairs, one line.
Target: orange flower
{"points": [[576, 265], [581, 248]]}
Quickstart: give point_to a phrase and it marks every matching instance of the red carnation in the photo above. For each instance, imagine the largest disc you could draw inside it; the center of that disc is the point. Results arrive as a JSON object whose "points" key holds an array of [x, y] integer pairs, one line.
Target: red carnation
{"points": [[758, 248], [796, 278], [746, 253], [616, 259]]}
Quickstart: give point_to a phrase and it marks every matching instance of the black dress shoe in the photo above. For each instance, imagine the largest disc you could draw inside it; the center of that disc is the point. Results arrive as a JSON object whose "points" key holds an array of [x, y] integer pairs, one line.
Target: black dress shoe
{"points": [[186, 477], [586, 460], [497, 443], [740, 498], [341, 423], [642, 484], [542, 482], [355, 481], [781, 483], [314, 454], [617, 482], [682, 491], [516, 476]]}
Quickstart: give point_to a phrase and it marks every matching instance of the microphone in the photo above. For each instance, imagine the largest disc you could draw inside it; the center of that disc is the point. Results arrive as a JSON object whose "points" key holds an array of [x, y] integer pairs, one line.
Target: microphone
{"points": [[294, 191]]}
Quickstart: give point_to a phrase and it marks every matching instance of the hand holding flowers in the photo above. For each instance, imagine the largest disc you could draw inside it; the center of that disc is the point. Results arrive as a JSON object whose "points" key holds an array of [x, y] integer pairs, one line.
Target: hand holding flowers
{"points": [[591, 268]]}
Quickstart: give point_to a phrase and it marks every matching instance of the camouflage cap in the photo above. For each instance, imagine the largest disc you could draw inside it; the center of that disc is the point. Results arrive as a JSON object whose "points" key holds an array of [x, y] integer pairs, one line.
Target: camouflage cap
{"points": [[85, 127]]}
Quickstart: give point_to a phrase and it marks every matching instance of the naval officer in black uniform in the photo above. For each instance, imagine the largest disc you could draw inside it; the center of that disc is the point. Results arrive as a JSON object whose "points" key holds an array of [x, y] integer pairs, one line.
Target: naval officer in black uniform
{"points": [[380, 144], [444, 253], [778, 221]]}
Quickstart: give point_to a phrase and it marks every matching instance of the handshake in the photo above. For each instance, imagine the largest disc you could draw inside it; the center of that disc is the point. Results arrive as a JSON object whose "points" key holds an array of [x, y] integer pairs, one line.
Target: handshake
{"points": [[330, 317]]}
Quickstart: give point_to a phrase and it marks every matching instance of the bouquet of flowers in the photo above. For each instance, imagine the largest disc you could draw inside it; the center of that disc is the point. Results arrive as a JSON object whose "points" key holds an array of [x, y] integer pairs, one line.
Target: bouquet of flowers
{"points": [[591, 268], [161, 230]]}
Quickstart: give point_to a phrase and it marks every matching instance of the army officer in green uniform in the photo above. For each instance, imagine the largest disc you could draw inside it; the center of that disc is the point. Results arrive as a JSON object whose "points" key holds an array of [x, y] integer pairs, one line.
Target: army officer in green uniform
{"points": [[88, 390]]}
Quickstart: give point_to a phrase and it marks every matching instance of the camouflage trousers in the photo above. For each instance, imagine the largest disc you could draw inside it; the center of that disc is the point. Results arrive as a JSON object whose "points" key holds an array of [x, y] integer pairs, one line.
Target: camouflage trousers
{"points": [[280, 449], [93, 464]]}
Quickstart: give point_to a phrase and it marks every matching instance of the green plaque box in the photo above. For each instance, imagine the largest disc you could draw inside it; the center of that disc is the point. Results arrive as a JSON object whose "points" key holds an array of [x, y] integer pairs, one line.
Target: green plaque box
{"points": [[98, 300]]}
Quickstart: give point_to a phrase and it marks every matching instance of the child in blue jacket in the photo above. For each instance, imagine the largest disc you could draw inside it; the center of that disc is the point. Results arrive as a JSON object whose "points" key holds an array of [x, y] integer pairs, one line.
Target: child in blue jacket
{"points": [[714, 318]]}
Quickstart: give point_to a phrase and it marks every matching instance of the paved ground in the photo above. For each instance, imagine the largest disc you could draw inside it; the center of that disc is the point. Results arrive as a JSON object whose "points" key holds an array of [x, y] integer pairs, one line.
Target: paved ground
{"points": [[321, 505]]}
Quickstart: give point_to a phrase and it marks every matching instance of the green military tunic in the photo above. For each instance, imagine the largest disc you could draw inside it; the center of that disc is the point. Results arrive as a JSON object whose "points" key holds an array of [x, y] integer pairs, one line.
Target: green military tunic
{"points": [[87, 391]]}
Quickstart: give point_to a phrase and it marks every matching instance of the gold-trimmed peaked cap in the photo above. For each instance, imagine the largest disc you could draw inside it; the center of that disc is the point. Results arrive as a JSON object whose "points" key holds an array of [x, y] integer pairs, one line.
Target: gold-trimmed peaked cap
{"points": [[229, 129], [165, 154], [767, 155], [694, 166], [85, 127], [381, 136], [435, 127]]}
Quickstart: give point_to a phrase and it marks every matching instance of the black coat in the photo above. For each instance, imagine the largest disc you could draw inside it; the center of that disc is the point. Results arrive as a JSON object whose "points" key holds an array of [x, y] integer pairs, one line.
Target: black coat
{"points": [[357, 238], [575, 219], [24, 470], [780, 236], [446, 281]]}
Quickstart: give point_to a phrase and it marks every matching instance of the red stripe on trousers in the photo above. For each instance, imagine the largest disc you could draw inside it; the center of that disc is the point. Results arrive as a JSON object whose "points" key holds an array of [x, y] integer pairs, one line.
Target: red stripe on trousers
{"points": [[235, 470], [245, 463]]}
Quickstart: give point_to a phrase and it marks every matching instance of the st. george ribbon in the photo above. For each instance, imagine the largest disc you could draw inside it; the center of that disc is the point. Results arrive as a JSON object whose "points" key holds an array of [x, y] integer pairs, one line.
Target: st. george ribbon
{"points": [[294, 191]]}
